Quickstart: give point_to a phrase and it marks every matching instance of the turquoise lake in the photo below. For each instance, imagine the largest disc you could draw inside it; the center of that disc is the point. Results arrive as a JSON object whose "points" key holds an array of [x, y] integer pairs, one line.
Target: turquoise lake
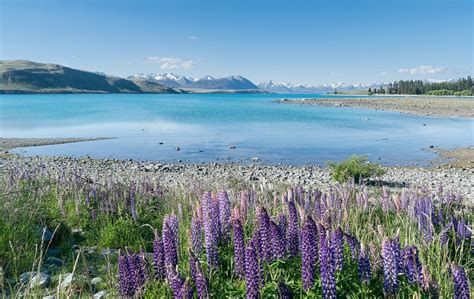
{"points": [[204, 127]]}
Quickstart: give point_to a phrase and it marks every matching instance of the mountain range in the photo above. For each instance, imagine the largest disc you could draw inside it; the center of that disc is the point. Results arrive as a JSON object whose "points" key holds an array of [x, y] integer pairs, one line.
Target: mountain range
{"points": [[288, 88], [22, 76], [193, 84]]}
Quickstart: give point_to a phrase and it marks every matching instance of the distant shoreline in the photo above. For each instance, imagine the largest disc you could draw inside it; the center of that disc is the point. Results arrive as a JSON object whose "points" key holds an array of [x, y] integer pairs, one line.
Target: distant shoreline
{"points": [[7, 144], [445, 106]]}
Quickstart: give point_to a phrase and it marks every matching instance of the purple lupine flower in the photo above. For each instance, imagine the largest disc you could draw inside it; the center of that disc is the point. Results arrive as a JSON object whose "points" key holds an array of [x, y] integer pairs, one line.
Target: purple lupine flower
{"points": [[463, 231], [283, 291], [411, 264], [214, 209], [337, 248], [328, 279], [244, 198], [123, 275], [252, 272], [169, 246], [158, 258], [461, 283], [239, 248], [391, 258], [133, 209], [132, 272], [292, 239], [210, 231], [364, 265], [175, 281], [224, 214], [353, 244], [277, 240], [264, 233], [282, 222], [196, 234], [173, 223], [142, 265], [198, 277], [308, 253], [444, 234]]}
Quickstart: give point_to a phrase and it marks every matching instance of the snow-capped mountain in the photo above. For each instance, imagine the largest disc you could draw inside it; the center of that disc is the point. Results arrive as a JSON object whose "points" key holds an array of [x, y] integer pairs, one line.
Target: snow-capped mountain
{"points": [[285, 87], [168, 79], [207, 82]]}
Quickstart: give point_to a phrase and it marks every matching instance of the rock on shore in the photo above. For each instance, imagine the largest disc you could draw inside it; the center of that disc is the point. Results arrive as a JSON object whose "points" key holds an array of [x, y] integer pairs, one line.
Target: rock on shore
{"points": [[216, 175]]}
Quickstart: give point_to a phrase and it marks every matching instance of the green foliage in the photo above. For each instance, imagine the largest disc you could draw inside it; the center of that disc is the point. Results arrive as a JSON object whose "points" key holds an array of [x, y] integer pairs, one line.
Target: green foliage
{"points": [[461, 87], [356, 167]]}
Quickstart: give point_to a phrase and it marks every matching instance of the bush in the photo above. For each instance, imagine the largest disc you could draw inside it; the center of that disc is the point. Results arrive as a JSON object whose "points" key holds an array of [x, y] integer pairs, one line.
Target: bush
{"points": [[356, 167], [463, 93]]}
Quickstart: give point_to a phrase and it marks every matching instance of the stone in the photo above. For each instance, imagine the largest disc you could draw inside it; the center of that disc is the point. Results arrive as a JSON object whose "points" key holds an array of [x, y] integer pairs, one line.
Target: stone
{"points": [[49, 297], [96, 281], [109, 252], [66, 281], [100, 294], [35, 279]]}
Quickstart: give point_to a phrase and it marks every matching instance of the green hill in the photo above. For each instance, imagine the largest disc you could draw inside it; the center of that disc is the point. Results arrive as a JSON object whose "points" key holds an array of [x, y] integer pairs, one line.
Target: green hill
{"points": [[21, 76]]}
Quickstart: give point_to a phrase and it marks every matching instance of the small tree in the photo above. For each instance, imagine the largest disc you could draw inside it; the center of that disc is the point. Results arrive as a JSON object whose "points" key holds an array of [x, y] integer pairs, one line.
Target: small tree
{"points": [[356, 167]]}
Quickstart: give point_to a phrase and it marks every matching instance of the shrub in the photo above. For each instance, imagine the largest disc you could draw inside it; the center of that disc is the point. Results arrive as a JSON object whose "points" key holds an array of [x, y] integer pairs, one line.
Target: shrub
{"points": [[356, 167]]}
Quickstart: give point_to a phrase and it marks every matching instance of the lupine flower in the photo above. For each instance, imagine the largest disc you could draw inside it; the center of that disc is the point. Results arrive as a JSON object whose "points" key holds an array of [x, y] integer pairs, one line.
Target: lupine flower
{"points": [[214, 211], [123, 276], [463, 231], [277, 240], [210, 232], [180, 288], [461, 283], [252, 272], [308, 253], [283, 291], [132, 268], [196, 234], [328, 279], [282, 222], [239, 248], [411, 264], [353, 244], [158, 258], [142, 267], [264, 233], [169, 246], [428, 284], [198, 276], [244, 198], [173, 223], [364, 265], [444, 234], [337, 248], [224, 214], [391, 258], [133, 209], [292, 239]]}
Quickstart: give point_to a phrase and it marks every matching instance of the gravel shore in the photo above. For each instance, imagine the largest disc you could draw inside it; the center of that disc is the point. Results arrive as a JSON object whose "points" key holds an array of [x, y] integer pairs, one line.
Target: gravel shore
{"points": [[436, 106], [9, 143], [213, 175]]}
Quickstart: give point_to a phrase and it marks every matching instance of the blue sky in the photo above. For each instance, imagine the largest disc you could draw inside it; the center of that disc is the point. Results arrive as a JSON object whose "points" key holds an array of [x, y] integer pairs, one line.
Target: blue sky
{"points": [[312, 42]]}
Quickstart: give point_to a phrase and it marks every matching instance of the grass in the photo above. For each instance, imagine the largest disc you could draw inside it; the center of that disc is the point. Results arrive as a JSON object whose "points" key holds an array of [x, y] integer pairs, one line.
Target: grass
{"points": [[86, 219]]}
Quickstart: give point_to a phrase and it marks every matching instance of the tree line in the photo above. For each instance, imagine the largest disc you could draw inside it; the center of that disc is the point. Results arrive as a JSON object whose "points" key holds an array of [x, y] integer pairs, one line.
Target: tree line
{"points": [[461, 87]]}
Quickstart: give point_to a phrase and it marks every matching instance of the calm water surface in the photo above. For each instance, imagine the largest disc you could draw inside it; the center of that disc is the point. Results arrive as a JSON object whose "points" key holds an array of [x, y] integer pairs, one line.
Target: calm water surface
{"points": [[205, 126]]}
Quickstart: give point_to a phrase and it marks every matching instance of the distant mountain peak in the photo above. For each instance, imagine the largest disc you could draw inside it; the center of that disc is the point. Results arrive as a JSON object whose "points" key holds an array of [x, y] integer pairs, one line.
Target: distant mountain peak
{"points": [[234, 82]]}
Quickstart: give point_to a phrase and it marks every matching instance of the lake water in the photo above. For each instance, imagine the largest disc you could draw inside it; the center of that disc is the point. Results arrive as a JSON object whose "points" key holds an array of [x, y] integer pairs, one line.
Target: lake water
{"points": [[205, 126]]}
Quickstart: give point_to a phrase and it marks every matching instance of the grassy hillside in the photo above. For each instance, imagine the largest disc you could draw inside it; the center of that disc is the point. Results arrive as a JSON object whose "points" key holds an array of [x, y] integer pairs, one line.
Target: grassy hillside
{"points": [[21, 76]]}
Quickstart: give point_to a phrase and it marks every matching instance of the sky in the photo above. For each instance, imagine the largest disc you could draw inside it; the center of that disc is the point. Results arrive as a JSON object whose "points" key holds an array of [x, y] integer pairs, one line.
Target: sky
{"points": [[308, 42]]}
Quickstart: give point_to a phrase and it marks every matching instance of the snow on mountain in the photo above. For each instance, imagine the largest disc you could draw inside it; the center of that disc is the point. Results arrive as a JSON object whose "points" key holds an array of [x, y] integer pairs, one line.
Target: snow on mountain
{"points": [[207, 82], [285, 87]]}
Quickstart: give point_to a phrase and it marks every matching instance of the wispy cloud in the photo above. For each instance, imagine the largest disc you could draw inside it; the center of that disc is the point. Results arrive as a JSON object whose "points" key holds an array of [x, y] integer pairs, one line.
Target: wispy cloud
{"points": [[383, 73], [424, 69], [193, 38], [172, 63]]}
